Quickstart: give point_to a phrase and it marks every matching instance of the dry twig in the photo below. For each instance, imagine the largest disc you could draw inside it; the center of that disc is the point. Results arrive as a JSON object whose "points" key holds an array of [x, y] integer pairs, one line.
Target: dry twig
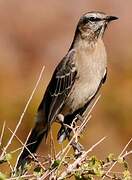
{"points": [[22, 115], [122, 155]]}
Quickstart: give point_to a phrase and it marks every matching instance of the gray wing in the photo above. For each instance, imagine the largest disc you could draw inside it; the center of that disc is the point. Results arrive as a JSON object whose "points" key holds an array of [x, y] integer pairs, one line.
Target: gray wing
{"points": [[59, 87]]}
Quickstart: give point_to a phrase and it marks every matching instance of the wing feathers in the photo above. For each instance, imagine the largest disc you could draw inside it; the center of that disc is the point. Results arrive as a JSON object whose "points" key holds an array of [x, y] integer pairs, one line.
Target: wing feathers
{"points": [[60, 85]]}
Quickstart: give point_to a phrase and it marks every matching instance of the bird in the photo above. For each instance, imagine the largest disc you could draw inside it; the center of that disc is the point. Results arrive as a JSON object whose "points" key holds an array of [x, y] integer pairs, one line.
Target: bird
{"points": [[75, 82]]}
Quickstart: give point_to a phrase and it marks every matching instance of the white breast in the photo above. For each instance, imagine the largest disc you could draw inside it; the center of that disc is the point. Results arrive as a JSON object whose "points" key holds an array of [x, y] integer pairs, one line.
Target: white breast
{"points": [[91, 65]]}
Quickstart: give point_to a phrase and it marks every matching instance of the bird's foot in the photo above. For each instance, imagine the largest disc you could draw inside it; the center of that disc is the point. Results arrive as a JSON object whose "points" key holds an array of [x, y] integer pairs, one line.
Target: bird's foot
{"points": [[78, 148]]}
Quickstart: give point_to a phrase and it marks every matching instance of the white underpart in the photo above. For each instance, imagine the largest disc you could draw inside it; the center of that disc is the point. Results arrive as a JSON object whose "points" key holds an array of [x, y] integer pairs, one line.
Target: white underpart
{"points": [[91, 65]]}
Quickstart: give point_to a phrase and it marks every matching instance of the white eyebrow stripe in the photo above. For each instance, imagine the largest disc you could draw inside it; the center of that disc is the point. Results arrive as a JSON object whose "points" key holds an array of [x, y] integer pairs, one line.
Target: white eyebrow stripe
{"points": [[92, 15], [95, 15]]}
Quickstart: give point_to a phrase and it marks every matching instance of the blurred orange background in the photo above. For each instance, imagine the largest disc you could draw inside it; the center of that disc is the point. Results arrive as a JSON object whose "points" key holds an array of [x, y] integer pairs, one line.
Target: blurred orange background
{"points": [[36, 33]]}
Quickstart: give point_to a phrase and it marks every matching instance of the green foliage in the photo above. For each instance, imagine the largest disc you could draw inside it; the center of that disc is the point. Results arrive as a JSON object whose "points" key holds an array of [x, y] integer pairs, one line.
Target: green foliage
{"points": [[127, 175], [110, 157], [97, 168], [89, 169], [5, 158], [2, 176], [93, 167], [38, 171], [55, 163]]}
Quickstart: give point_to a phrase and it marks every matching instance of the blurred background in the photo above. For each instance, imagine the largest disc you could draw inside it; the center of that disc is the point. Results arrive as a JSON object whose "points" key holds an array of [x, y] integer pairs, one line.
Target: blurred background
{"points": [[36, 33]]}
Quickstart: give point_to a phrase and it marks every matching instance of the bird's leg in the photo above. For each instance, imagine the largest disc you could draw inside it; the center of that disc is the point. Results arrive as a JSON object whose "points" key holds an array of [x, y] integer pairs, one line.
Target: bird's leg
{"points": [[60, 120], [77, 147]]}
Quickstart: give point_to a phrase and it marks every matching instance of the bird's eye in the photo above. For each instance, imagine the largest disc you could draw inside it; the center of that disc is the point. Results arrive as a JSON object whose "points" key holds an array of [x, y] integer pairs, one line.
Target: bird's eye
{"points": [[94, 19]]}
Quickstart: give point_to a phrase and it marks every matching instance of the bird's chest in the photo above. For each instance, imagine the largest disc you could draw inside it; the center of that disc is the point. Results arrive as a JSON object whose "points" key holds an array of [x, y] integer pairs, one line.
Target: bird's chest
{"points": [[91, 69]]}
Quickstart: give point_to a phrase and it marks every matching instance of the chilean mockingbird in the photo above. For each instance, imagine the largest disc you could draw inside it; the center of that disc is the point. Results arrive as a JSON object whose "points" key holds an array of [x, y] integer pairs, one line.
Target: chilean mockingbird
{"points": [[75, 81]]}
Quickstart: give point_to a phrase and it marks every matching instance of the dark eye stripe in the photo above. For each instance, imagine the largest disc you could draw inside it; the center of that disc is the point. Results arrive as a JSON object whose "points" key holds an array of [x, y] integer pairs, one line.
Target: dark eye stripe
{"points": [[94, 19]]}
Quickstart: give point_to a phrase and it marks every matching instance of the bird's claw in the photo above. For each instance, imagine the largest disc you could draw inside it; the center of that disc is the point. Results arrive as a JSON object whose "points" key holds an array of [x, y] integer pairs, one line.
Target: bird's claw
{"points": [[78, 148]]}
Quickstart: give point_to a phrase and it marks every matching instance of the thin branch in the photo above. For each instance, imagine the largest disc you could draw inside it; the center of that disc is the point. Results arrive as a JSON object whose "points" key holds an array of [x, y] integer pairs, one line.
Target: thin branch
{"points": [[24, 146], [78, 161], [64, 152], [127, 154], [2, 133], [52, 144], [121, 155], [48, 172], [68, 147], [25, 109], [86, 117], [23, 176], [20, 148]]}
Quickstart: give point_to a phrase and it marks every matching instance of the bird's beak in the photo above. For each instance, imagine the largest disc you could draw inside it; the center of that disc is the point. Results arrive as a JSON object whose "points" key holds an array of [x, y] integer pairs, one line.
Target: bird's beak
{"points": [[111, 18]]}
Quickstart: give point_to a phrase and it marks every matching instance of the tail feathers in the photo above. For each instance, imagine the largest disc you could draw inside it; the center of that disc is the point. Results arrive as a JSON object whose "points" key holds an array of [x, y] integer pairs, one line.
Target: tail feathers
{"points": [[32, 144]]}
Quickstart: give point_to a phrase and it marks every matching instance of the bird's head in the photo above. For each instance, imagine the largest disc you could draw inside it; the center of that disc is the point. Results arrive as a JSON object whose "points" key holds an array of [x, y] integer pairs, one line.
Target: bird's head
{"points": [[93, 24]]}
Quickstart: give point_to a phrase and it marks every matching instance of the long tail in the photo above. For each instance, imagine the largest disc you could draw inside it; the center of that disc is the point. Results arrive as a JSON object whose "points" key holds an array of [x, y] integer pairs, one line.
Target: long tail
{"points": [[39, 132]]}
